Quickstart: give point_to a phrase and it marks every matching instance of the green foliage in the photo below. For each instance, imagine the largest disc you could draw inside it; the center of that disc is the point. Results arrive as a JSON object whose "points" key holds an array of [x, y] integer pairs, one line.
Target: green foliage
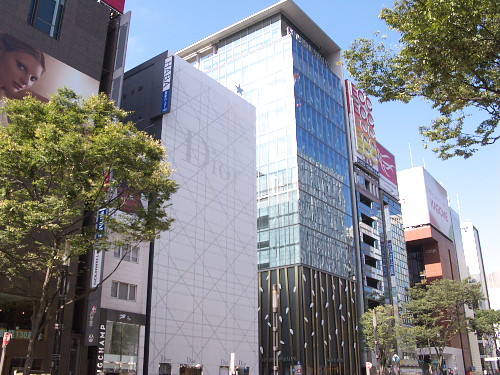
{"points": [[485, 322], [448, 54], [60, 163], [55, 160], [437, 312], [384, 341]]}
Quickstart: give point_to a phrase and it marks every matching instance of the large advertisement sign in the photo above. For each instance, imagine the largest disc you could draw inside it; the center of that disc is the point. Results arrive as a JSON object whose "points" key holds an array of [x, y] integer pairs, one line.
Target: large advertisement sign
{"points": [[25, 69], [118, 5], [424, 201], [387, 169], [362, 128], [168, 69]]}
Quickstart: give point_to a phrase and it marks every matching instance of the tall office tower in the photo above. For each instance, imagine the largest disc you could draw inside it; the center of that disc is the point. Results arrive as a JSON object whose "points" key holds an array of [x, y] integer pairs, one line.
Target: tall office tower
{"points": [[394, 245], [368, 203], [283, 63], [198, 299], [475, 345], [474, 258], [65, 31], [429, 243], [474, 262], [384, 266]]}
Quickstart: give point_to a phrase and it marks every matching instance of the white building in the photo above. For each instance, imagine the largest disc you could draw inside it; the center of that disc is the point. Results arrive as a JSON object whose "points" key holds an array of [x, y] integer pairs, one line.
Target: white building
{"points": [[192, 293]]}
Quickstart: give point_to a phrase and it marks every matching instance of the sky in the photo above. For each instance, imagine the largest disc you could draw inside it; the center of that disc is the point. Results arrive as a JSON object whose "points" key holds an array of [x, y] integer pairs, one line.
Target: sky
{"points": [[472, 184]]}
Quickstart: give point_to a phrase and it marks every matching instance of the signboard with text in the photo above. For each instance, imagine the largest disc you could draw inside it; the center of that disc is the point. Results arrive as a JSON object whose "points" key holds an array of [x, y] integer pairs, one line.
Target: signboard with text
{"points": [[424, 200], [387, 169], [168, 70], [362, 127]]}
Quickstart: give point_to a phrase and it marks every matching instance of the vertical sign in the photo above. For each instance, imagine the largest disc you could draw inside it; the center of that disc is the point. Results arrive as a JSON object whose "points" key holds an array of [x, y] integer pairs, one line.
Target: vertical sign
{"points": [[387, 168], [100, 348], [98, 254], [92, 334], [168, 70], [362, 127], [388, 231]]}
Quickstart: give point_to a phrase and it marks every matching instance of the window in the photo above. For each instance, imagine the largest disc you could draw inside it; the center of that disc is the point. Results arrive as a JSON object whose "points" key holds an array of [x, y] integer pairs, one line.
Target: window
{"points": [[370, 261], [369, 240], [123, 291], [371, 282], [367, 220], [46, 16], [127, 252], [365, 200]]}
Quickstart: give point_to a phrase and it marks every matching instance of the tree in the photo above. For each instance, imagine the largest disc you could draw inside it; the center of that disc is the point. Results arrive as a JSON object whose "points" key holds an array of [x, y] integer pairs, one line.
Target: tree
{"points": [[448, 54], [437, 312], [383, 340], [60, 163], [486, 322]]}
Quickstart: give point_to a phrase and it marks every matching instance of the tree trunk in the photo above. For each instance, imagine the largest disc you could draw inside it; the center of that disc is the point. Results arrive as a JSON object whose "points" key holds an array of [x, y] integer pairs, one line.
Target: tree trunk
{"points": [[36, 320]]}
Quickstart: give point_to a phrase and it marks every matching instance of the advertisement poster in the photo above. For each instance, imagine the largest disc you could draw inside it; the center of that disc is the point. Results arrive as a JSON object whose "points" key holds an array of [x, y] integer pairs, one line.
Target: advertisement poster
{"points": [[424, 201], [118, 5], [387, 169], [362, 127], [25, 69]]}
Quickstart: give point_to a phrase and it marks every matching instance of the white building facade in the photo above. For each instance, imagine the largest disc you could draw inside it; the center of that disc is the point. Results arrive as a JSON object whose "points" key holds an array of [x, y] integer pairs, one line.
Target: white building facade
{"points": [[202, 274]]}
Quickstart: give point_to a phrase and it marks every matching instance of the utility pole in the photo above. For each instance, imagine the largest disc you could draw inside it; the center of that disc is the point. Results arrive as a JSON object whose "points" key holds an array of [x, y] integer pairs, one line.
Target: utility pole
{"points": [[275, 329], [375, 337]]}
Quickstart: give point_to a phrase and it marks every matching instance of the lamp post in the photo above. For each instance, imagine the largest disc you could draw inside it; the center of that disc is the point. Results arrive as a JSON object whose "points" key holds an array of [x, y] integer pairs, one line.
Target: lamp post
{"points": [[375, 337], [275, 329]]}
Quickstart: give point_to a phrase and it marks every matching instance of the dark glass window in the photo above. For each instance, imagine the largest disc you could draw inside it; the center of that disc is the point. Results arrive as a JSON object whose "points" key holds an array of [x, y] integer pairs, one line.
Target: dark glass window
{"points": [[46, 16]]}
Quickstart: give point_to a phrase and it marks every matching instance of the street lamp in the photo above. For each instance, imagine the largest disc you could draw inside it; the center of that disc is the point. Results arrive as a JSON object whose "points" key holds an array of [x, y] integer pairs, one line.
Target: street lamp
{"points": [[275, 329]]}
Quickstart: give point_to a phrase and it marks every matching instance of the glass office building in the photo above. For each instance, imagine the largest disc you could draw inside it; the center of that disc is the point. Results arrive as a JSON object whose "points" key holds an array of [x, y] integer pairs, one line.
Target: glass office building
{"points": [[284, 64], [395, 246]]}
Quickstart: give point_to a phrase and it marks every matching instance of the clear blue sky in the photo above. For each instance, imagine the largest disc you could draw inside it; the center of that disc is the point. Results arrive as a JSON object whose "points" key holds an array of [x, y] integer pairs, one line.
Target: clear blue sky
{"points": [[159, 25]]}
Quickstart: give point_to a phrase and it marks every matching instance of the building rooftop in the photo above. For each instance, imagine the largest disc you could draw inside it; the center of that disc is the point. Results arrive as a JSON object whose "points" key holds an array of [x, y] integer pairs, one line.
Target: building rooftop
{"points": [[327, 47]]}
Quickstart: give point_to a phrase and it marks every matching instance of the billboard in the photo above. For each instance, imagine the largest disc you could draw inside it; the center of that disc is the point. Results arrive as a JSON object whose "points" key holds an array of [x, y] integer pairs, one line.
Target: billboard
{"points": [[166, 94], [25, 69], [118, 5], [424, 201], [359, 108], [387, 168]]}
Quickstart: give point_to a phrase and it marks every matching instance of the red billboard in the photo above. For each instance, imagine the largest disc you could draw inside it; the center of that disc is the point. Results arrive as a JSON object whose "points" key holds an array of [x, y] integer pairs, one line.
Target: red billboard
{"points": [[118, 5], [387, 169]]}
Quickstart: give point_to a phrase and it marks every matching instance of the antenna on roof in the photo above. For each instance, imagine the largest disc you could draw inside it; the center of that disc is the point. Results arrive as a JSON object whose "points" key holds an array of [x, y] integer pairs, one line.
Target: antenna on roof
{"points": [[411, 157], [459, 212]]}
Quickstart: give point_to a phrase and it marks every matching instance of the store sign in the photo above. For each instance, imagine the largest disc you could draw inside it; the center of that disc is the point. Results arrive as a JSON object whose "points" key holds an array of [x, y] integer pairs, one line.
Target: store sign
{"points": [[391, 257], [98, 254], [168, 70], [100, 348]]}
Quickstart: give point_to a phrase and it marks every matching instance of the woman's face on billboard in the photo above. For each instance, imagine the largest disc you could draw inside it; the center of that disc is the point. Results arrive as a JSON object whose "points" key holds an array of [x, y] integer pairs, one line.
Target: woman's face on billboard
{"points": [[18, 71]]}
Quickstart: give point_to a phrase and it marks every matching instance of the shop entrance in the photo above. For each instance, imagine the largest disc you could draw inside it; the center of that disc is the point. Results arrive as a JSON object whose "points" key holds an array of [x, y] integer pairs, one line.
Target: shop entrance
{"points": [[191, 370]]}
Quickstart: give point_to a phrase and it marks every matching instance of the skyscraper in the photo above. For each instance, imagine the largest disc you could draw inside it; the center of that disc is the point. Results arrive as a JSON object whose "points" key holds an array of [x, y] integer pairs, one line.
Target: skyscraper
{"points": [[283, 63], [475, 267]]}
